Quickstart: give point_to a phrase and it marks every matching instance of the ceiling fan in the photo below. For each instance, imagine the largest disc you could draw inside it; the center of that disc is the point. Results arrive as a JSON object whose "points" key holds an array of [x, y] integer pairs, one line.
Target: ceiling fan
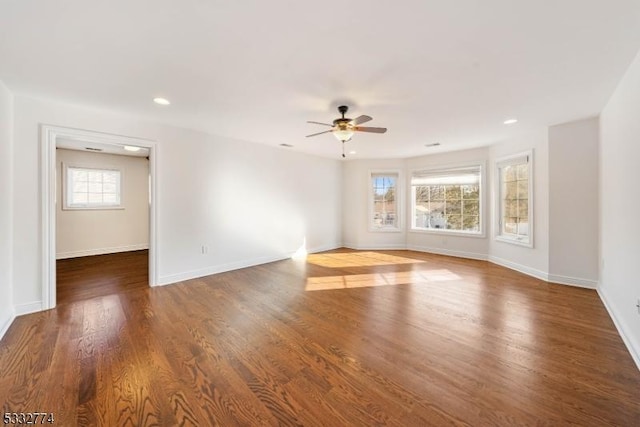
{"points": [[343, 128]]}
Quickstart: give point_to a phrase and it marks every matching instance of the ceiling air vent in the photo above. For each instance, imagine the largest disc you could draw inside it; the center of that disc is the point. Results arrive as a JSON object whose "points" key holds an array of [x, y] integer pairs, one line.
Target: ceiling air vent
{"points": [[92, 149]]}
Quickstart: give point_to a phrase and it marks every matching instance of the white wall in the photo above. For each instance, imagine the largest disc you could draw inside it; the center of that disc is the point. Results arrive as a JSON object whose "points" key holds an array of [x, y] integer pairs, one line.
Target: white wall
{"points": [[248, 203], [355, 205], [533, 261], [573, 203], [620, 207], [6, 211], [465, 246], [93, 232]]}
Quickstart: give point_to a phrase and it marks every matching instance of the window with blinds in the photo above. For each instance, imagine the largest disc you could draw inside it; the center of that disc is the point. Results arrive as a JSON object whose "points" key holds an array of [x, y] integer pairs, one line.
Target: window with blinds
{"points": [[88, 188], [515, 219], [447, 200]]}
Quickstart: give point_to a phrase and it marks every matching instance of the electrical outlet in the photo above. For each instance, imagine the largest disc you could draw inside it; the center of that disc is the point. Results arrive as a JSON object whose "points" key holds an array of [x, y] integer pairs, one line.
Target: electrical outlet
{"points": [[205, 249]]}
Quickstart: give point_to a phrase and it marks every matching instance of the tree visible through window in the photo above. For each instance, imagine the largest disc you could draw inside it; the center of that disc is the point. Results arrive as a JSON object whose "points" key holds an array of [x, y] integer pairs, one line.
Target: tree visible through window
{"points": [[384, 212], [92, 188], [447, 200], [515, 220]]}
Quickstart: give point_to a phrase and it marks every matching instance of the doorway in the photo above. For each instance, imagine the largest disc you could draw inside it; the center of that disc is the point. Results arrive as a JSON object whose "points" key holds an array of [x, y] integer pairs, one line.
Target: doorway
{"points": [[53, 137]]}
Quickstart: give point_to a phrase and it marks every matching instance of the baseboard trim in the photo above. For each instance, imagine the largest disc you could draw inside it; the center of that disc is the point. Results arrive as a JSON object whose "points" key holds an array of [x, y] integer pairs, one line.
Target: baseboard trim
{"points": [[216, 269], [102, 251], [529, 271], [573, 281], [448, 252], [6, 320], [384, 247], [632, 346], [28, 308]]}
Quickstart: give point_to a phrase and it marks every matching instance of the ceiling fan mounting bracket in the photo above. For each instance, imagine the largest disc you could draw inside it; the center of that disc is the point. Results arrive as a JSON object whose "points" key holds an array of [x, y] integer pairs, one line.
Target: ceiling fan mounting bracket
{"points": [[343, 110]]}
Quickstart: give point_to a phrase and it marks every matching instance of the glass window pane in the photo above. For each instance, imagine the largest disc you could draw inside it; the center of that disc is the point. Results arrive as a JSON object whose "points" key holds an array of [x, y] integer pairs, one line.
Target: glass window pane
{"points": [[78, 175], [94, 176], [509, 173], [510, 225], [523, 229], [471, 223], [109, 198], [453, 192], [522, 171], [110, 177], [471, 207], [523, 209], [453, 207], [523, 189], [471, 191], [80, 187], [422, 194], [511, 190], [437, 220], [95, 198], [454, 222], [95, 187], [79, 198], [511, 208], [437, 192]]}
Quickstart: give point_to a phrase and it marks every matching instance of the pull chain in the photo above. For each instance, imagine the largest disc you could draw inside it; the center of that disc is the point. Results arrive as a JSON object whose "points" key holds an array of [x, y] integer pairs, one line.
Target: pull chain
{"points": [[343, 156]]}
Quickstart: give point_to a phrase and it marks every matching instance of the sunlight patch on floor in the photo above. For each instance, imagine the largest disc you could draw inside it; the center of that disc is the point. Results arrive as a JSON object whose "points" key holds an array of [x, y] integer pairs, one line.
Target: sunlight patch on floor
{"points": [[358, 259], [378, 279]]}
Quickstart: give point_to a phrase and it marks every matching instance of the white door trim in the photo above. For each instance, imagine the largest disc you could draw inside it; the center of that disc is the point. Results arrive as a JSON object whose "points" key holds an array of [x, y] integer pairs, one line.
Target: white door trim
{"points": [[48, 137]]}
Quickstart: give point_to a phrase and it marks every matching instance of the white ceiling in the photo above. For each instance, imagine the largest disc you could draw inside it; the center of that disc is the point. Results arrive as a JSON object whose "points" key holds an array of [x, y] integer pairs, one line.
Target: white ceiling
{"points": [[430, 71]]}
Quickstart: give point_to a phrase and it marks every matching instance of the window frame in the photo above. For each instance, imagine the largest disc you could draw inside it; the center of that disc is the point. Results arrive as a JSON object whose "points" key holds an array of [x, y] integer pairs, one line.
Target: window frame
{"points": [[481, 165], [398, 196], [78, 207], [499, 163]]}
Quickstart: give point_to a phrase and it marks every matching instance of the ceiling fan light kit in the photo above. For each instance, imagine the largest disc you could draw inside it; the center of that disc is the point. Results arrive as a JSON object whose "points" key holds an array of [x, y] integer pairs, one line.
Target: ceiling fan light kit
{"points": [[343, 128]]}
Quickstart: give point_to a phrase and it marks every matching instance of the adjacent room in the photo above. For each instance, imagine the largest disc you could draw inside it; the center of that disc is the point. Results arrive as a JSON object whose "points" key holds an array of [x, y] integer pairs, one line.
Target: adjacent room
{"points": [[278, 213]]}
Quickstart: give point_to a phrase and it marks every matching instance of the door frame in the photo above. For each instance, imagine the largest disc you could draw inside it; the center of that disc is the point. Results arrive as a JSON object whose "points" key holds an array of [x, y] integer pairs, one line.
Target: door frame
{"points": [[49, 135]]}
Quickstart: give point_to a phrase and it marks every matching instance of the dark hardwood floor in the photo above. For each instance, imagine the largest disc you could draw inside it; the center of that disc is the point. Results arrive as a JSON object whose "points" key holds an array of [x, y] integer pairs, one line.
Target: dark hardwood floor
{"points": [[344, 338], [101, 275]]}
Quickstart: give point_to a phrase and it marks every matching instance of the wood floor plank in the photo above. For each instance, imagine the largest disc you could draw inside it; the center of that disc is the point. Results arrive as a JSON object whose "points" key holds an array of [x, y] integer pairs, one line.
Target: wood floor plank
{"points": [[404, 339]]}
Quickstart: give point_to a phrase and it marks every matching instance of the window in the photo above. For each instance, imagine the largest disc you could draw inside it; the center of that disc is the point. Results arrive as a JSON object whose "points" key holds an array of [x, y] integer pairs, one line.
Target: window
{"points": [[88, 188], [383, 213], [515, 212], [447, 200]]}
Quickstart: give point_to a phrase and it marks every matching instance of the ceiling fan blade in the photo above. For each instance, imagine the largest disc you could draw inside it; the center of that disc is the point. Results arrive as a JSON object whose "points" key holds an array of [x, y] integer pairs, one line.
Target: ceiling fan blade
{"points": [[318, 123], [360, 119], [320, 133], [370, 129]]}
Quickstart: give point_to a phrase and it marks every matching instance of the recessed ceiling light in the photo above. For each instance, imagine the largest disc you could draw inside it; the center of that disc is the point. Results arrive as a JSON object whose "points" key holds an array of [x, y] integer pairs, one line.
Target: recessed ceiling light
{"points": [[132, 148], [352, 152], [435, 144], [510, 121], [161, 101]]}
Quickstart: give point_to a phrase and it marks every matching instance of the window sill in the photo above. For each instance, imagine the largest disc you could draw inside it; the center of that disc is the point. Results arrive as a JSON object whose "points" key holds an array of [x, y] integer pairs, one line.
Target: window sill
{"points": [[514, 241], [385, 230], [448, 233], [93, 208]]}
